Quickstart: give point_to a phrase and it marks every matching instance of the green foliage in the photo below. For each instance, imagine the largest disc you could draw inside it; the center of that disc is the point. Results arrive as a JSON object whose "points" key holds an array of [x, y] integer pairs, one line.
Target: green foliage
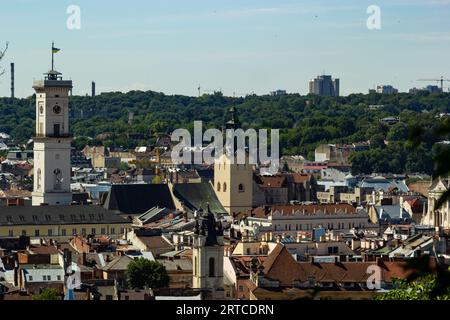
{"points": [[48, 294], [157, 180], [419, 289], [142, 272], [427, 279]]}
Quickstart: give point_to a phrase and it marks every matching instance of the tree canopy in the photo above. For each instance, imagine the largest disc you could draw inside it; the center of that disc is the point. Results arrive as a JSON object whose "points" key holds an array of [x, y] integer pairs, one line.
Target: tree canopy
{"points": [[145, 273]]}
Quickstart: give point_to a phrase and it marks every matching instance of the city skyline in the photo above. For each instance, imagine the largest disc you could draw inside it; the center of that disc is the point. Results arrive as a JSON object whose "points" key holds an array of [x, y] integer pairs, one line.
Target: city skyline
{"points": [[236, 47]]}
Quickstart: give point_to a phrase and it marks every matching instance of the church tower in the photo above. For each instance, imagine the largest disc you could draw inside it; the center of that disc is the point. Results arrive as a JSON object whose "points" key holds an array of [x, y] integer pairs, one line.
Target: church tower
{"points": [[233, 183], [207, 255], [52, 141]]}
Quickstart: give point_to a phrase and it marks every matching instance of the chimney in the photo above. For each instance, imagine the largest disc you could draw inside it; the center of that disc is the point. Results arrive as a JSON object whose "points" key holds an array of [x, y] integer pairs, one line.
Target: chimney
{"points": [[93, 89], [12, 79]]}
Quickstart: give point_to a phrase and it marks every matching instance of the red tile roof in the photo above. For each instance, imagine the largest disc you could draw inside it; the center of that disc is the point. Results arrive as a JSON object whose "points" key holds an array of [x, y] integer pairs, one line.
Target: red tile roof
{"points": [[281, 266], [272, 181]]}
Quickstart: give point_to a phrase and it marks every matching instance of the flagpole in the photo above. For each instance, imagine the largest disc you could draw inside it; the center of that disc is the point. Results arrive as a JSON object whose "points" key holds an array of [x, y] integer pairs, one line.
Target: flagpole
{"points": [[53, 45]]}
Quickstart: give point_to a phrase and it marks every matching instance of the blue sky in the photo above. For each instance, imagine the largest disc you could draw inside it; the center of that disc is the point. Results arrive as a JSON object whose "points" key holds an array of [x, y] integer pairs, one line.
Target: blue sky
{"points": [[236, 46]]}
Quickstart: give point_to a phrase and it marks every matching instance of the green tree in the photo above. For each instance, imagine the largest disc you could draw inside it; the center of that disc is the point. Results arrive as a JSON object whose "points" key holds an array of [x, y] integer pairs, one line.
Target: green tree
{"points": [[142, 272], [48, 294]]}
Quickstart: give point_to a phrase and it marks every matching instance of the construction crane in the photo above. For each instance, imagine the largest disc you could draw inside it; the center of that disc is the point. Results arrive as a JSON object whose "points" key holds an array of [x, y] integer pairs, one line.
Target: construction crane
{"points": [[441, 80]]}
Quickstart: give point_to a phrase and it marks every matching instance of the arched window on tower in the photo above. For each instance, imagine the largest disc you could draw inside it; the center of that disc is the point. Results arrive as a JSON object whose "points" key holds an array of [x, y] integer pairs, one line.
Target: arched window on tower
{"points": [[224, 187], [211, 267], [241, 187], [218, 186]]}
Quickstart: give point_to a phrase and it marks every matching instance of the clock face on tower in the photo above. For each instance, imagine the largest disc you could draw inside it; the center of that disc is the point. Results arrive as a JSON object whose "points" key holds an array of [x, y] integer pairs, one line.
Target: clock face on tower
{"points": [[57, 109]]}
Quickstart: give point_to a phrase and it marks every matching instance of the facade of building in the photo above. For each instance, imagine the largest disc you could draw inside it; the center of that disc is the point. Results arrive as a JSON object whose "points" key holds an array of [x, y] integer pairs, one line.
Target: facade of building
{"points": [[386, 89], [207, 255], [438, 217], [52, 142], [233, 182]]}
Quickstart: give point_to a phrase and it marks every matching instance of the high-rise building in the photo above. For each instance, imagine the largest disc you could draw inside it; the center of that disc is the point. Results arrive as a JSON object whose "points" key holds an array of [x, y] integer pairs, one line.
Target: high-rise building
{"points": [[386, 89], [52, 141], [324, 86]]}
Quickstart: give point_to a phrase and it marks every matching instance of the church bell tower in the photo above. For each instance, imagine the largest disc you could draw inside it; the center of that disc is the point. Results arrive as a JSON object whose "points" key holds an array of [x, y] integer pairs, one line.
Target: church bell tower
{"points": [[52, 141]]}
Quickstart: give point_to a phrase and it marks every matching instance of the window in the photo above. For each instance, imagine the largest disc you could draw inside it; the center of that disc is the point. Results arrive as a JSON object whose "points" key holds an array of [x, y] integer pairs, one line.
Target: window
{"points": [[57, 178], [63, 232], [22, 218], [113, 230], [11, 233], [103, 231], [44, 278], [24, 232], [49, 278], [211, 267], [59, 278], [93, 231], [91, 217], [50, 232], [39, 176], [9, 218], [48, 217], [82, 217], [83, 231], [241, 288], [224, 187], [195, 265], [36, 233], [74, 231], [35, 218], [73, 217], [333, 250], [100, 216], [61, 217], [218, 186], [241, 187]]}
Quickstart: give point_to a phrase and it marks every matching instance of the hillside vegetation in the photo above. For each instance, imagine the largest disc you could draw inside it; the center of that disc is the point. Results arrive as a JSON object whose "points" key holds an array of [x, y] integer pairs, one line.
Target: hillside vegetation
{"points": [[304, 122]]}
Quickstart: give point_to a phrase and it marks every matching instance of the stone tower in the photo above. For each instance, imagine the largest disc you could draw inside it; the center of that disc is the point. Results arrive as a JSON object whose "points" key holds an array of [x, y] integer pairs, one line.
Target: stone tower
{"points": [[52, 141], [233, 183], [207, 255]]}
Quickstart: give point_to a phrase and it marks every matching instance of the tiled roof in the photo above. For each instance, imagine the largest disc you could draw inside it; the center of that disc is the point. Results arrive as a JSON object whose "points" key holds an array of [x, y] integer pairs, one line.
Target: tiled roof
{"points": [[138, 198], [272, 182], [197, 195], [281, 266], [118, 264]]}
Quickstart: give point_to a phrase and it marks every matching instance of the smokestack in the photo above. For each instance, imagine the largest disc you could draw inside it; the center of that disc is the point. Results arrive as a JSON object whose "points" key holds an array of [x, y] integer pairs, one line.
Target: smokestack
{"points": [[12, 79], [93, 88]]}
